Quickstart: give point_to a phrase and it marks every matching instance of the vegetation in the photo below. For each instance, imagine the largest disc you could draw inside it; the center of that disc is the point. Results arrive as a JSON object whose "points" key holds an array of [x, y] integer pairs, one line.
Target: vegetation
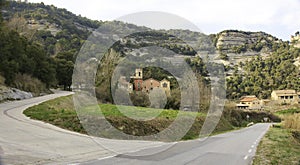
{"points": [[292, 122], [40, 42], [278, 147], [61, 112], [54, 36], [19, 56], [281, 145], [262, 76]]}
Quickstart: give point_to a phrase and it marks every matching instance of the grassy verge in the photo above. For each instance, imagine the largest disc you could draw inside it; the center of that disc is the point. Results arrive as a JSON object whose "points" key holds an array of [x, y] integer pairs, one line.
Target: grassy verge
{"points": [[278, 147], [281, 145], [61, 112]]}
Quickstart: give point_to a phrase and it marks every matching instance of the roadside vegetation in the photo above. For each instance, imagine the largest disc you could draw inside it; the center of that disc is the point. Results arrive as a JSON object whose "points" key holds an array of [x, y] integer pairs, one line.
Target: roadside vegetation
{"points": [[61, 112], [281, 145]]}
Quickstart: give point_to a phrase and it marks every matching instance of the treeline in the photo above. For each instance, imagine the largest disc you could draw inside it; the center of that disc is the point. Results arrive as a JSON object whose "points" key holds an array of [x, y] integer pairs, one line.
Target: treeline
{"points": [[20, 56], [32, 59], [261, 76]]}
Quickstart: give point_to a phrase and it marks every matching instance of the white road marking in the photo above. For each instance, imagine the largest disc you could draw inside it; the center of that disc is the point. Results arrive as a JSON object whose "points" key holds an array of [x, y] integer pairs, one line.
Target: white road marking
{"points": [[252, 146], [250, 150], [107, 157], [246, 157]]}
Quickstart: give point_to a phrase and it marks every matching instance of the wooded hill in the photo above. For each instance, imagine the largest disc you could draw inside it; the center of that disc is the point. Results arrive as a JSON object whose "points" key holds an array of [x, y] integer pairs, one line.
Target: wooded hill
{"points": [[42, 42]]}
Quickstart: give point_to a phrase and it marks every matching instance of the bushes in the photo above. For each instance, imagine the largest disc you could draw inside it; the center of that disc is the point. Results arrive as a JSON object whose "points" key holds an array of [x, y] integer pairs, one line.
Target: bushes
{"points": [[2, 80], [30, 84], [292, 122], [140, 99], [238, 118]]}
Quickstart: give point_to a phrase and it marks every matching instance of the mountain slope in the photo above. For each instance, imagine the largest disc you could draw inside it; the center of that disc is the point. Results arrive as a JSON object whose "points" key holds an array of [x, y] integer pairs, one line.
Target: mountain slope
{"points": [[61, 34]]}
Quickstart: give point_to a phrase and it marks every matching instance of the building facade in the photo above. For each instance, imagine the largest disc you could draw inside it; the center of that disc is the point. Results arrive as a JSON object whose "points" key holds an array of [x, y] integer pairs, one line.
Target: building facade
{"points": [[149, 84], [285, 96], [249, 103]]}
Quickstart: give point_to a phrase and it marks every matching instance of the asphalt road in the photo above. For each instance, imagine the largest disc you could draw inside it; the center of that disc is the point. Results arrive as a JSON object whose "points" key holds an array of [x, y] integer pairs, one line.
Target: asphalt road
{"points": [[233, 148], [26, 141]]}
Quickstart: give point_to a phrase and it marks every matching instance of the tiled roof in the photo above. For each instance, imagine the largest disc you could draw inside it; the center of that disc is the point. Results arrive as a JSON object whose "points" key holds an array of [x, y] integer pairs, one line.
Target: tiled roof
{"points": [[248, 99]]}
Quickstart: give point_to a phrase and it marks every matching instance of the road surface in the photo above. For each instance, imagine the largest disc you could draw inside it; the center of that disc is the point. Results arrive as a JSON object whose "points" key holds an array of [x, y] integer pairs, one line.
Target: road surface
{"points": [[26, 141], [233, 148]]}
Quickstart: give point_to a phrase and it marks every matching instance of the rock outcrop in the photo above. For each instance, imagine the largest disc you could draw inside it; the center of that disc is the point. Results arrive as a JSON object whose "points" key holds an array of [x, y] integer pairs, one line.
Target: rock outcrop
{"points": [[295, 40], [233, 41], [7, 93]]}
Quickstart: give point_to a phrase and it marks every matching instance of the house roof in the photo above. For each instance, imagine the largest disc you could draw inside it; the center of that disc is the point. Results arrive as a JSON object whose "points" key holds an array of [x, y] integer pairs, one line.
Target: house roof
{"points": [[149, 79], [248, 98], [164, 80], [288, 91]]}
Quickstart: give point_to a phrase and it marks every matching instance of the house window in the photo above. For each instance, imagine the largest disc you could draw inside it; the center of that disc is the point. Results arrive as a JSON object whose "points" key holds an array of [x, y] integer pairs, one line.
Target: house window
{"points": [[165, 85], [291, 97], [286, 97], [281, 97]]}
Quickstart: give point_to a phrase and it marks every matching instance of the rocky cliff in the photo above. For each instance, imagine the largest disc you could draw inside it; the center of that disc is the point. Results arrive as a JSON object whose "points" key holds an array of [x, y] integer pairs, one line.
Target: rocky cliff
{"points": [[233, 41]]}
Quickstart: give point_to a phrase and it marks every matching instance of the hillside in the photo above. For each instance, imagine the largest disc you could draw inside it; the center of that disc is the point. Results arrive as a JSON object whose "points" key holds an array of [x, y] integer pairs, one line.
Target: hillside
{"points": [[59, 34]]}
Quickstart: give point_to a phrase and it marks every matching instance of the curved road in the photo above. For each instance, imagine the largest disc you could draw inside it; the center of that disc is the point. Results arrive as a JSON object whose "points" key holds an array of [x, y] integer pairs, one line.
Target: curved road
{"points": [[26, 141], [233, 148]]}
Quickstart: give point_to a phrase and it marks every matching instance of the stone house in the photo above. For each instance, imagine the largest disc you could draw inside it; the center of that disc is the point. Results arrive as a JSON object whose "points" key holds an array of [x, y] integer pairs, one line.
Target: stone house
{"points": [[249, 102], [285, 96], [165, 85], [138, 79], [150, 84]]}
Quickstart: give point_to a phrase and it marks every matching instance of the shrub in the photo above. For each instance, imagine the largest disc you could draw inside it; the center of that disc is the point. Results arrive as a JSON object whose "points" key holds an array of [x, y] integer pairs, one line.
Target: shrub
{"points": [[30, 84], [2, 80], [292, 122]]}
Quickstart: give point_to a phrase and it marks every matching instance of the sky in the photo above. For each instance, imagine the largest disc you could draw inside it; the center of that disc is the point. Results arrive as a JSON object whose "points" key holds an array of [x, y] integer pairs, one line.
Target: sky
{"points": [[280, 18]]}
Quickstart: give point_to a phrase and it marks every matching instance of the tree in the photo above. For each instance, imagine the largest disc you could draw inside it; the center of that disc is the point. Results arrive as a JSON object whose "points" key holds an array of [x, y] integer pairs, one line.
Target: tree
{"points": [[64, 72]]}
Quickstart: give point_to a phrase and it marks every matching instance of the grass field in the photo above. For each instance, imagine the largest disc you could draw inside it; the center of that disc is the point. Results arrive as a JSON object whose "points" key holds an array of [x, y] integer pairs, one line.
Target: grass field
{"points": [[138, 121]]}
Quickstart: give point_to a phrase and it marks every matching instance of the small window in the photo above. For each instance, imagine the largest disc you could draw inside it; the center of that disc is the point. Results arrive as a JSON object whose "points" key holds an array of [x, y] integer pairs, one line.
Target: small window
{"points": [[291, 97], [286, 97], [165, 85], [282, 97]]}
